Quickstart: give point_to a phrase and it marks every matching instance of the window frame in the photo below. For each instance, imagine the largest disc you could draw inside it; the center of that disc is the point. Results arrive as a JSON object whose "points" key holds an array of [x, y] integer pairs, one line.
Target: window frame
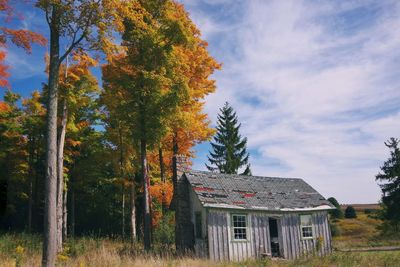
{"points": [[246, 228], [307, 226]]}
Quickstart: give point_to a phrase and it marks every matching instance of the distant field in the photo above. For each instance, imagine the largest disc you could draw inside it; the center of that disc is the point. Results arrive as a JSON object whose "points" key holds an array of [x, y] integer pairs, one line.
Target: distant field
{"points": [[361, 207]]}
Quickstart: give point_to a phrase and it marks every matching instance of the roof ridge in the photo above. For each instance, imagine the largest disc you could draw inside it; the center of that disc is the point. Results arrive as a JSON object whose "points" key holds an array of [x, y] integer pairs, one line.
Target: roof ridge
{"points": [[244, 176]]}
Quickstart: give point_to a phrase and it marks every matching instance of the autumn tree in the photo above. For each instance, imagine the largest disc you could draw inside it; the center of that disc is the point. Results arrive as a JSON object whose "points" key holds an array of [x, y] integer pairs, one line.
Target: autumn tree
{"points": [[72, 21], [229, 147], [77, 89], [189, 125], [119, 135], [33, 125], [148, 74]]}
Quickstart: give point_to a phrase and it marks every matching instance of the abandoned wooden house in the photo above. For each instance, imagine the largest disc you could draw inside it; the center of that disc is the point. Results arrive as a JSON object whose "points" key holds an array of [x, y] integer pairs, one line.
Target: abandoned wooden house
{"points": [[235, 217]]}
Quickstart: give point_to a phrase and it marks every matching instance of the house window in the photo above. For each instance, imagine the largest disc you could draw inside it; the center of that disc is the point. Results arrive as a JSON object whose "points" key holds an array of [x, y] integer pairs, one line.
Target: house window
{"points": [[306, 226], [239, 223], [198, 224]]}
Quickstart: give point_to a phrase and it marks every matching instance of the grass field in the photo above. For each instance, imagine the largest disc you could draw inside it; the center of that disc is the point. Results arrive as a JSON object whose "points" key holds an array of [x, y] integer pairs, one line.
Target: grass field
{"points": [[360, 232]]}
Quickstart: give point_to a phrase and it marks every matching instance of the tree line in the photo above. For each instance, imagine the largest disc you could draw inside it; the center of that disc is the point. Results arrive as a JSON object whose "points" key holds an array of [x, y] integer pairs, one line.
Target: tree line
{"points": [[75, 157]]}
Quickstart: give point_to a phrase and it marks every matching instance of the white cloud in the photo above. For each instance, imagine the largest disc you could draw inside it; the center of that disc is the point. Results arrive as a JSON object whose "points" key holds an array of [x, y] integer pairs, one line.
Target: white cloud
{"points": [[315, 86]]}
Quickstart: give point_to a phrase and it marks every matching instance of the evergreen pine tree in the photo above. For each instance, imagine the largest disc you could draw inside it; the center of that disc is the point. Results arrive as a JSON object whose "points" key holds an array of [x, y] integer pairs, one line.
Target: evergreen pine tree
{"points": [[390, 178], [229, 148]]}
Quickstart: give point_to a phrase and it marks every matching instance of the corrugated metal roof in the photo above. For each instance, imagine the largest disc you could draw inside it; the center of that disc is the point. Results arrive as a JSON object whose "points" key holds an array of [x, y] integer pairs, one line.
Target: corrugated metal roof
{"points": [[255, 192]]}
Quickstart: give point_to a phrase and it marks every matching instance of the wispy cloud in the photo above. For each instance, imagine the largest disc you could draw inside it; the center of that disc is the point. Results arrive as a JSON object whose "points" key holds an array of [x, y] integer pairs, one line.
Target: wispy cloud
{"points": [[316, 85]]}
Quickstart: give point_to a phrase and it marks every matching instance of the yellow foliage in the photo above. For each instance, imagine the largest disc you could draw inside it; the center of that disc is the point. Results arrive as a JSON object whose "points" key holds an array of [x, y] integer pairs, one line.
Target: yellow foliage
{"points": [[62, 257], [19, 250]]}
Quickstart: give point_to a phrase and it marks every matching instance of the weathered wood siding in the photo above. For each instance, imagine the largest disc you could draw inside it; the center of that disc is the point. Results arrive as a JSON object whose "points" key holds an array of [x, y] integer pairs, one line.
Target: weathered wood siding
{"points": [[218, 235], [221, 245], [261, 241], [200, 245], [294, 246]]}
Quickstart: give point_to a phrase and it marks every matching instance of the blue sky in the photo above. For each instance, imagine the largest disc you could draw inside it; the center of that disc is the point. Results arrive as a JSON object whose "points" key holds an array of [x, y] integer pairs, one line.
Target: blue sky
{"points": [[314, 83]]}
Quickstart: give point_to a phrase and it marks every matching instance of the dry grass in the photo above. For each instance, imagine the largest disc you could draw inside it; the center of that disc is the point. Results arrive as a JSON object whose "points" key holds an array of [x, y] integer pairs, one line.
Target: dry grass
{"points": [[89, 251], [361, 232]]}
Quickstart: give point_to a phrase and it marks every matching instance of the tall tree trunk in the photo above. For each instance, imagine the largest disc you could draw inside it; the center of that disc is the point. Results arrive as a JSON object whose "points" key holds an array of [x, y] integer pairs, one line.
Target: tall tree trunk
{"points": [[175, 188], [50, 220], [72, 187], [31, 180], [36, 188], [174, 170], [65, 214], [60, 177], [121, 171], [133, 211], [163, 180], [146, 195]]}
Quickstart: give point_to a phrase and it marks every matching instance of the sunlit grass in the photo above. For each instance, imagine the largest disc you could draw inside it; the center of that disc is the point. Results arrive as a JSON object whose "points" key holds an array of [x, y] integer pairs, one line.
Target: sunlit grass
{"points": [[91, 251]]}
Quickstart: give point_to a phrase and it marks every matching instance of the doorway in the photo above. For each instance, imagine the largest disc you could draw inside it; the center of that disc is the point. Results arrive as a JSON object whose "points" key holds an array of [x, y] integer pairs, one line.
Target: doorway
{"points": [[274, 237]]}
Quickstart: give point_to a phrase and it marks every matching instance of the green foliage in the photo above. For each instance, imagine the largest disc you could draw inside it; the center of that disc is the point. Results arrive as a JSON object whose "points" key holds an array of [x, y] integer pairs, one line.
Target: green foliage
{"points": [[229, 148], [164, 233], [13, 162], [338, 212], [390, 185], [350, 212]]}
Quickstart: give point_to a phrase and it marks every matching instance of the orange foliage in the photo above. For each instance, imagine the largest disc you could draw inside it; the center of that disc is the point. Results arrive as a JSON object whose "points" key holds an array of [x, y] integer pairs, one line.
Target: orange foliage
{"points": [[159, 189], [158, 192], [22, 38], [4, 107], [3, 71]]}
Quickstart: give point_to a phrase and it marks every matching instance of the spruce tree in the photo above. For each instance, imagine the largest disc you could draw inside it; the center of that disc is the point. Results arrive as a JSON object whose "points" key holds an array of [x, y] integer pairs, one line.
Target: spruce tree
{"points": [[229, 151], [390, 185]]}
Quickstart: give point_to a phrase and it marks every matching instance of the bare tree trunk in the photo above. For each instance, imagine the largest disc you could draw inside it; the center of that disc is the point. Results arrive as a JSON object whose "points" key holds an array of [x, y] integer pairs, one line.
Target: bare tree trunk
{"points": [[30, 203], [133, 211], [174, 171], [31, 178], [162, 176], [121, 171], [175, 187], [50, 220], [146, 185], [35, 191], [60, 176], [72, 186], [65, 214]]}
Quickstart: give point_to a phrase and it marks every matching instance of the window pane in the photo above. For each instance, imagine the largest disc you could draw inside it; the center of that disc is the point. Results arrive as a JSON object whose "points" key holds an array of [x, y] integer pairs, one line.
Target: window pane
{"points": [[239, 223], [305, 220], [239, 233], [307, 231]]}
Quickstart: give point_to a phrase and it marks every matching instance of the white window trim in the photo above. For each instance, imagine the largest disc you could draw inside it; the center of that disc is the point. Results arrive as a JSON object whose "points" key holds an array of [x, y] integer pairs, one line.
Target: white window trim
{"points": [[246, 228], [312, 229]]}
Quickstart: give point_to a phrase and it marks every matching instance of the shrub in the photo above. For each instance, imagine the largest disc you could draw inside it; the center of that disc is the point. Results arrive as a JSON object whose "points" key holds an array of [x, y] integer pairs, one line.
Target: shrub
{"points": [[368, 211], [350, 212], [335, 229], [337, 213], [164, 234]]}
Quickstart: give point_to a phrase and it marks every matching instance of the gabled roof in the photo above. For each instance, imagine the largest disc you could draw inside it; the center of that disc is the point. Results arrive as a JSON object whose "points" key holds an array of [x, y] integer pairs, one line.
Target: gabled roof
{"points": [[255, 192]]}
